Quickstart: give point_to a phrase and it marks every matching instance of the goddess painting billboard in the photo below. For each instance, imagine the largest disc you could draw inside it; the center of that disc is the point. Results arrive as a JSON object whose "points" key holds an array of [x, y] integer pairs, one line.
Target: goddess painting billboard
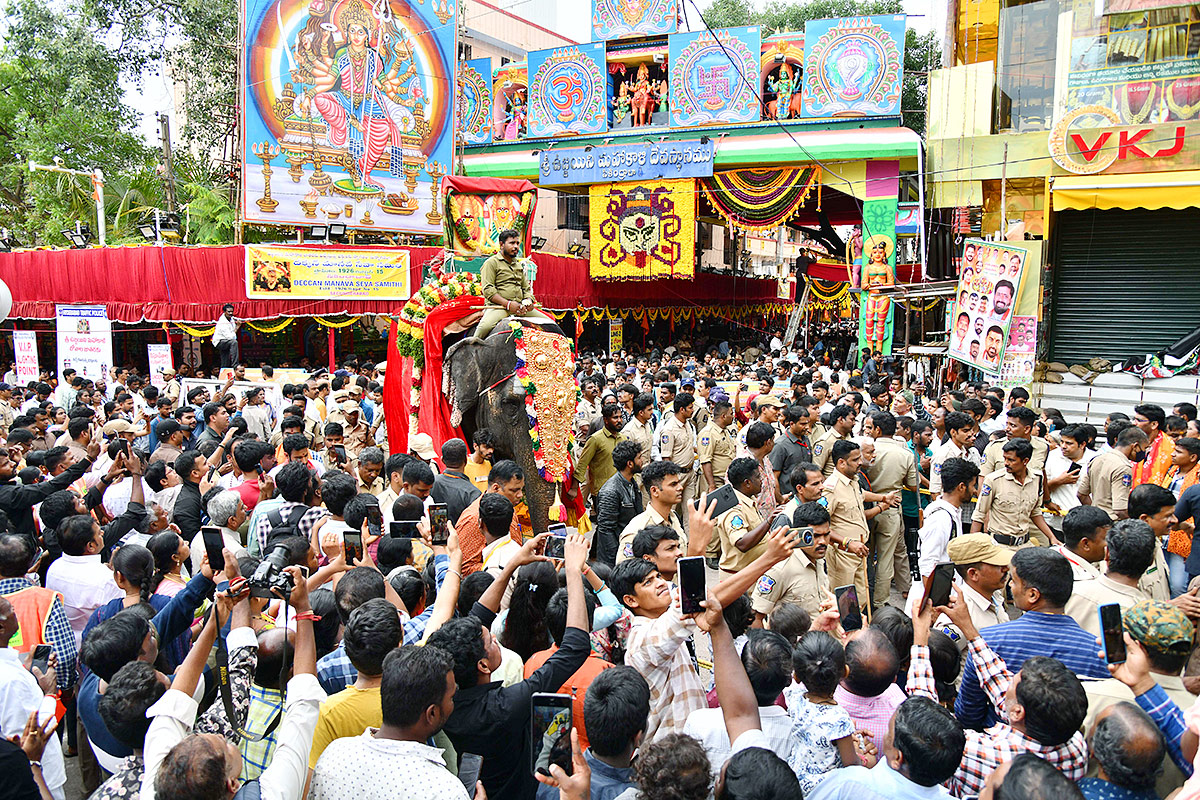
{"points": [[855, 66], [355, 96]]}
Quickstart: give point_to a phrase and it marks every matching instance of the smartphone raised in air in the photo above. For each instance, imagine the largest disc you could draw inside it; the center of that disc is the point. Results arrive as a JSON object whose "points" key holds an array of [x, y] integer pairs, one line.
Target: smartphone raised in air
{"points": [[374, 520], [214, 543], [939, 584], [439, 524], [354, 546], [41, 658], [1113, 632], [551, 731], [692, 584], [556, 545], [404, 529], [848, 607]]}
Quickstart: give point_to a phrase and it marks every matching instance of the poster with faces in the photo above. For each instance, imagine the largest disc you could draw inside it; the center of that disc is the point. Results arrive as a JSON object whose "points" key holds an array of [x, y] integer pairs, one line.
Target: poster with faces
{"points": [[982, 313], [1017, 367]]}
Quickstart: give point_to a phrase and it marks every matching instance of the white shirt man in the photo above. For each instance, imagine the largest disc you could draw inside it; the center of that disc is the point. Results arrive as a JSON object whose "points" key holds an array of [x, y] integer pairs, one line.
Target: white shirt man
{"points": [[1065, 495], [224, 330], [85, 584], [20, 696]]}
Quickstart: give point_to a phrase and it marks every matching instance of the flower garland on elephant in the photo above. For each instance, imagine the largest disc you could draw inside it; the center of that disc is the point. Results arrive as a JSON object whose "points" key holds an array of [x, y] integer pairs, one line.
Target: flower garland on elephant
{"points": [[410, 328]]}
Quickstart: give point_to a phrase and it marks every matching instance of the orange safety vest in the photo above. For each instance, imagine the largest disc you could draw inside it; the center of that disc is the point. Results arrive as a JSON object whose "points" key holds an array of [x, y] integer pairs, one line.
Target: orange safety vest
{"points": [[32, 607]]}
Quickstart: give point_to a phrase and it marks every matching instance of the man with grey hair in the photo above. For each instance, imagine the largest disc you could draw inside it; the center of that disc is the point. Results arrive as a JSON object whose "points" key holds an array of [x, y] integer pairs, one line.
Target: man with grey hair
{"points": [[1129, 553], [1129, 750], [367, 472], [226, 511]]}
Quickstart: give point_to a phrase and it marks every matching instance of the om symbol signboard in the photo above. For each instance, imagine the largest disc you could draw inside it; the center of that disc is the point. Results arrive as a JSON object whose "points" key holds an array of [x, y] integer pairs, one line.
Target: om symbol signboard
{"points": [[714, 79], [854, 66], [353, 100], [568, 92]]}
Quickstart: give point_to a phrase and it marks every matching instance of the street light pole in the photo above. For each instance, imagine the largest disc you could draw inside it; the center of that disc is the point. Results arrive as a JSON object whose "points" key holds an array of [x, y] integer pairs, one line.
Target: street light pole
{"points": [[97, 178]]}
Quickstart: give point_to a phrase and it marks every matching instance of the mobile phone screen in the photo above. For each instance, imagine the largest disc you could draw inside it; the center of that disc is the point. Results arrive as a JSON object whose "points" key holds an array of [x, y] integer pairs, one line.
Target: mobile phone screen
{"points": [[339, 452], [1114, 633], [439, 523], [468, 771], [691, 584], [556, 546], [213, 544], [41, 657], [354, 546], [403, 529], [941, 582], [847, 603], [551, 731], [375, 520]]}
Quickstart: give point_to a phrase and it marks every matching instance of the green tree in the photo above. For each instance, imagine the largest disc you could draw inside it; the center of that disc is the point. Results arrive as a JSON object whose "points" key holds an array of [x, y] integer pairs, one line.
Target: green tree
{"points": [[60, 97], [921, 53]]}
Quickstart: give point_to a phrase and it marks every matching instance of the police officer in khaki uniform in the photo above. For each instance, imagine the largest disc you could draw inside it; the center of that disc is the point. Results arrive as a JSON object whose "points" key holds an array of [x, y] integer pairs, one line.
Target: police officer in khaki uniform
{"points": [[716, 448], [801, 578], [1107, 479], [893, 469], [1017, 425], [1010, 500], [841, 421], [677, 443], [844, 498], [741, 530]]}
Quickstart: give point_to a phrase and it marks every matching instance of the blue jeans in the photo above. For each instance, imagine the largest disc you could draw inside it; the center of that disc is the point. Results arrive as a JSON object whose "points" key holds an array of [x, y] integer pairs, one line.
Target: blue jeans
{"points": [[1176, 572]]}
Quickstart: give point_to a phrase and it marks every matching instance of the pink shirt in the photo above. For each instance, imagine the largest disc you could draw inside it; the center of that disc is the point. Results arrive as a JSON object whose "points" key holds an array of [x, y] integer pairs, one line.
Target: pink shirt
{"points": [[871, 714]]}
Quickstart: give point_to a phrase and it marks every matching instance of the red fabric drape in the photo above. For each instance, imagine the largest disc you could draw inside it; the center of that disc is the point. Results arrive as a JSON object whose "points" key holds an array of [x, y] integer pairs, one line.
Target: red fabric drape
{"points": [[164, 284], [433, 416], [563, 284], [190, 284], [396, 400]]}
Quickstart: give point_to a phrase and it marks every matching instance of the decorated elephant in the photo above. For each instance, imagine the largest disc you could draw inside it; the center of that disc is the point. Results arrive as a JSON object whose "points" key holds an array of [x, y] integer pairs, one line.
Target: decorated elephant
{"points": [[519, 383]]}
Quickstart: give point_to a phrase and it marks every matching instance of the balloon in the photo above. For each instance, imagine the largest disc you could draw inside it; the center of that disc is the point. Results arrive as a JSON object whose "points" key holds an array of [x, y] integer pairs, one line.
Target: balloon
{"points": [[5, 301]]}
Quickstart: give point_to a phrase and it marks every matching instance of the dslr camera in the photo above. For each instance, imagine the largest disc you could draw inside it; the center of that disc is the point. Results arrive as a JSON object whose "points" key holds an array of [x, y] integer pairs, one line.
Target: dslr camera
{"points": [[269, 580]]}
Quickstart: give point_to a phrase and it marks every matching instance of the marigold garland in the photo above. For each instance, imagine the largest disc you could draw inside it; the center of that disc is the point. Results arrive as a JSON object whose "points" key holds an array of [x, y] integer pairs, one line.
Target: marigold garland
{"points": [[410, 328]]}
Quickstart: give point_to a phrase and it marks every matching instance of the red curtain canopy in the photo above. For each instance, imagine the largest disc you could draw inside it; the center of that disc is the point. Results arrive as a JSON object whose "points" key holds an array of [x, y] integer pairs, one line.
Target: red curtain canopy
{"points": [[190, 284]]}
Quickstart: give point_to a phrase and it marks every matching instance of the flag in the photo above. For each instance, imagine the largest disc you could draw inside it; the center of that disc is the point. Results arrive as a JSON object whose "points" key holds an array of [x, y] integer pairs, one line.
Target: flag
{"points": [[395, 397]]}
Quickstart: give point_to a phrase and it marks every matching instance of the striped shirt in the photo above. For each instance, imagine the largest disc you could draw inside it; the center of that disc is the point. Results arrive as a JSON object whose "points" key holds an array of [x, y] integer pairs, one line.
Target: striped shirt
{"points": [[58, 632], [657, 649], [985, 750], [1036, 633]]}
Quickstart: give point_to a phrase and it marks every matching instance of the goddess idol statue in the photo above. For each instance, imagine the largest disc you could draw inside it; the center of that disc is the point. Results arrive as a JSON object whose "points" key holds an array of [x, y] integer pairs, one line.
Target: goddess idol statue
{"points": [[361, 92]]}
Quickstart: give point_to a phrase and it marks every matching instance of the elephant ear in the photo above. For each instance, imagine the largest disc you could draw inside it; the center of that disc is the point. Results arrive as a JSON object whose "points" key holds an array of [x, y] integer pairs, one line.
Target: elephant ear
{"points": [[462, 377]]}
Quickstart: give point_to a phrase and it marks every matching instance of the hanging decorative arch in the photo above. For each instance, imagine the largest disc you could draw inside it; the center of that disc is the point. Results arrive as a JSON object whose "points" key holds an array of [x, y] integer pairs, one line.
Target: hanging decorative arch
{"points": [[757, 199]]}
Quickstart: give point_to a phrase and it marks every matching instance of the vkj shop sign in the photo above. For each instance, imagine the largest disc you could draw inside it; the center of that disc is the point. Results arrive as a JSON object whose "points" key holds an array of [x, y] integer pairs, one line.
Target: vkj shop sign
{"points": [[1090, 139]]}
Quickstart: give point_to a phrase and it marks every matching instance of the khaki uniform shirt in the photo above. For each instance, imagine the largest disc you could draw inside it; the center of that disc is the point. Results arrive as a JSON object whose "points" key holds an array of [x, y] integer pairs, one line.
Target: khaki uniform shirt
{"points": [[716, 448], [678, 443], [354, 437], [642, 434], [1008, 505], [733, 525], [1108, 479], [647, 519], [985, 612], [797, 579], [993, 455], [822, 449], [894, 468], [1154, 583], [505, 278], [1088, 596], [376, 488], [843, 498], [940, 454]]}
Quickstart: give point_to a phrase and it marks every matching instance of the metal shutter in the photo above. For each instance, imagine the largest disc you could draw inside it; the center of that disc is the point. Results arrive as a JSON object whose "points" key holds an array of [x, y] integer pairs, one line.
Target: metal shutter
{"points": [[1125, 282]]}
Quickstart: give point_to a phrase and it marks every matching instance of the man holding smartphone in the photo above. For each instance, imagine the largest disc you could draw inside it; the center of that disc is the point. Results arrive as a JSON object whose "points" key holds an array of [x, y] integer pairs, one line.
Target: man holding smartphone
{"points": [[801, 578], [982, 569]]}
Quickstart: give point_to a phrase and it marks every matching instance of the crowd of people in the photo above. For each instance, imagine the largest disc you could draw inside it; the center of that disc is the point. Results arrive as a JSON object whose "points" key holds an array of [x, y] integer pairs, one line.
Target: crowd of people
{"points": [[340, 647]]}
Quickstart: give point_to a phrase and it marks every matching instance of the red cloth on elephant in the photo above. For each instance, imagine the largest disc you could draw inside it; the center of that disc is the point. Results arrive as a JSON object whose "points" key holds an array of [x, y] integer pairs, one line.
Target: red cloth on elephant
{"points": [[397, 406], [433, 416]]}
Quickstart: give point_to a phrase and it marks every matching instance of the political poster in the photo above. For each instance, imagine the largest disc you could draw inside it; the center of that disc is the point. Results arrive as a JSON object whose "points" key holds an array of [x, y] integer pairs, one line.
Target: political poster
{"points": [[26, 355], [322, 273], [159, 356], [988, 286], [1017, 367], [84, 340]]}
